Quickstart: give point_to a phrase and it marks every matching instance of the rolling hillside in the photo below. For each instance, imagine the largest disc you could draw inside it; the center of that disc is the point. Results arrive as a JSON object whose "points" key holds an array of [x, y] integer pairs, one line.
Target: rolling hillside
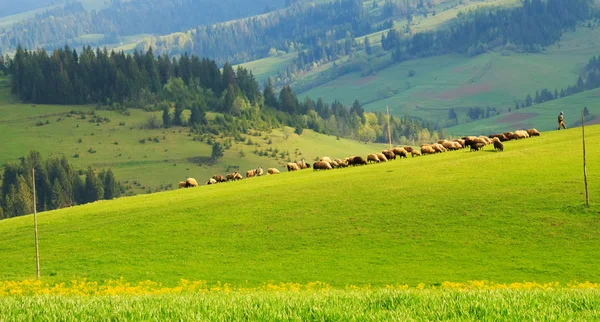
{"points": [[155, 159], [494, 79], [542, 116], [458, 216]]}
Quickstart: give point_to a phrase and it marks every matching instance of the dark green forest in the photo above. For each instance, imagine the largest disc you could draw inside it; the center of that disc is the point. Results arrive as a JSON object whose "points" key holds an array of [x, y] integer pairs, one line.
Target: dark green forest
{"points": [[530, 28], [54, 27], [57, 185], [142, 80]]}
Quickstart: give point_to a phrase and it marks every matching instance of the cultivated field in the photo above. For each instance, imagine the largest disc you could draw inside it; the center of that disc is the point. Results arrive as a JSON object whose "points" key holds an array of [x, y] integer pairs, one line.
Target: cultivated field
{"points": [[506, 217]]}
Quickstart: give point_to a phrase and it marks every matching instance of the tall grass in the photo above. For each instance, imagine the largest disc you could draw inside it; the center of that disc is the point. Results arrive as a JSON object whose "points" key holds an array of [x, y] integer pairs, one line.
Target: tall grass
{"points": [[334, 305]]}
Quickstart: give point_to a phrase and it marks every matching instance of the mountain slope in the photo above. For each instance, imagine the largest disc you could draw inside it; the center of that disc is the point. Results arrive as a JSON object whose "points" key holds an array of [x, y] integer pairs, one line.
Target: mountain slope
{"points": [[458, 216]]}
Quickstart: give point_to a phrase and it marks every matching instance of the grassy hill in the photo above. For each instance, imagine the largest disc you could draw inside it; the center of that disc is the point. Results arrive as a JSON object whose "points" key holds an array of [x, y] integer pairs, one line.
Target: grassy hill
{"points": [[494, 79], [165, 157], [543, 116], [458, 216]]}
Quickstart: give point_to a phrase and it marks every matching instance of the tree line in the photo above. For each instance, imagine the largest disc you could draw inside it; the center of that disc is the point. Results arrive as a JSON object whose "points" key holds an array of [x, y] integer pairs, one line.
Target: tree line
{"points": [[530, 27], [57, 185], [55, 26], [142, 80]]}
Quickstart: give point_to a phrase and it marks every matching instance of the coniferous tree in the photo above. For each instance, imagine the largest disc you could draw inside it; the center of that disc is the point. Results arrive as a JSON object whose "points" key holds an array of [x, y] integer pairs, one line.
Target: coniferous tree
{"points": [[166, 117], [94, 188], [112, 188]]}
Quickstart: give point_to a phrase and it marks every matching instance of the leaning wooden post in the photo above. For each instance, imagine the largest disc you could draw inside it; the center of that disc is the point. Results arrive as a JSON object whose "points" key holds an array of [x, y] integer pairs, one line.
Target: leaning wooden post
{"points": [[587, 196], [37, 251]]}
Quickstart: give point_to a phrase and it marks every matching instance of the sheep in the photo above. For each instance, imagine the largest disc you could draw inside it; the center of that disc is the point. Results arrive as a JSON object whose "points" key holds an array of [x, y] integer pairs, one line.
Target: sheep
{"points": [[293, 166], [450, 145], [234, 176], [415, 153], [357, 160], [408, 149], [500, 137], [181, 184], [341, 163], [321, 165], [372, 158], [259, 172], [219, 178], [211, 181], [480, 140], [191, 182], [250, 173], [381, 157], [509, 135], [302, 164], [325, 159], [498, 146], [477, 146], [272, 171], [334, 164], [438, 148], [461, 142], [533, 132], [427, 149], [400, 152], [520, 134], [390, 155]]}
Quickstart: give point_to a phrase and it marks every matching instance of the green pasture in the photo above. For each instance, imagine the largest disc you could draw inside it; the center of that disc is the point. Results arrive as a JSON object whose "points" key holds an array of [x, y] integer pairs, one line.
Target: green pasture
{"points": [[493, 79], [541, 116], [509, 216], [165, 157]]}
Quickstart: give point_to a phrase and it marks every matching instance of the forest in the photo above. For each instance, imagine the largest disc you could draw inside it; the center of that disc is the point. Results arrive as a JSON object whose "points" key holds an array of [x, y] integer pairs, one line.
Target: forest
{"points": [[529, 28], [54, 27], [142, 80], [57, 185]]}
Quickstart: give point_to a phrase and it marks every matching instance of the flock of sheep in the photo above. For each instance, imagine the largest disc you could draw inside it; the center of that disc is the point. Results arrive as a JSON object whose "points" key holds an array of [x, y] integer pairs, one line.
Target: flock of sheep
{"points": [[475, 143]]}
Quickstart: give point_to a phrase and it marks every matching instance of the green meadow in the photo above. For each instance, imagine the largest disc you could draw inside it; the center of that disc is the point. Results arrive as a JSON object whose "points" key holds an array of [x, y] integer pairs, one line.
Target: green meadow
{"points": [[156, 159], [506, 217]]}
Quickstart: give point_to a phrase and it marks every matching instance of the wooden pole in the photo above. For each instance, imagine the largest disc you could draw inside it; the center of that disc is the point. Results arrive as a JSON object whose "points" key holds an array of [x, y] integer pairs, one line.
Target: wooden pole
{"points": [[37, 250], [587, 196], [389, 127]]}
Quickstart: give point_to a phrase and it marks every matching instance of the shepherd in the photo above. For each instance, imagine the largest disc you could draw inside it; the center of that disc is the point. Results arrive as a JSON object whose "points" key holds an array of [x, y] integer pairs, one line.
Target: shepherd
{"points": [[561, 121]]}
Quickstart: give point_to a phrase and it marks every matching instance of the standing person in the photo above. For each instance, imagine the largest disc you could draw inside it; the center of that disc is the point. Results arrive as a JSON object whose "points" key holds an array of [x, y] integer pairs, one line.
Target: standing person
{"points": [[561, 121]]}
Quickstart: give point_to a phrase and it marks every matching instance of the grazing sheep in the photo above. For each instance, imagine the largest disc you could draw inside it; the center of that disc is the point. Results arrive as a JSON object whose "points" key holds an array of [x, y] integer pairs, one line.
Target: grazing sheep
{"points": [[438, 148], [357, 160], [390, 155], [191, 182], [415, 153], [325, 159], [211, 181], [322, 165], [520, 134], [181, 184], [341, 163], [219, 178], [533, 132], [498, 146], [272, 171], [408, 149], [509, 136], [450, 145], [303, 165], [461, 142], [334, 164], [259, 172], [477, 146], [427, 149], [234, 176], [480, 140], [500, 137], [372, 158], [250, 173], [381, 157], [293, 166], [400, 152]]}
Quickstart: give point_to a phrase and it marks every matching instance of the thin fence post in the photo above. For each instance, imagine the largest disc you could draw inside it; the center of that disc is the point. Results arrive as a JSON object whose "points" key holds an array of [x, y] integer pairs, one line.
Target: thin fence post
{"points": [[587, 196], [35, 229]]}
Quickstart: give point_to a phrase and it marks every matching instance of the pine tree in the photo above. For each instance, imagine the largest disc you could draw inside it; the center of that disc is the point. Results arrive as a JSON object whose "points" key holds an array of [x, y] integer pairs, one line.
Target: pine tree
{"points": [[177, 116], [368, 48], [112, 188], [586, 112], [269, 94], [94, 188], [166, 117]]}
